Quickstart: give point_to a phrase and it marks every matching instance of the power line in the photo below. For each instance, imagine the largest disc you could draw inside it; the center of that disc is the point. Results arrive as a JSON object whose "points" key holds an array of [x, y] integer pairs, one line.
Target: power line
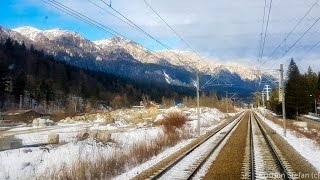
{"points": [[299, 39], [175, 32], [305, 54], [309, 50], [283, 40], [71, 13], [162, 44], [90, 21], [149, 35], [266, 30], [82, 17], [262, 28], [113, 14], [262, 42], [94, 23]]}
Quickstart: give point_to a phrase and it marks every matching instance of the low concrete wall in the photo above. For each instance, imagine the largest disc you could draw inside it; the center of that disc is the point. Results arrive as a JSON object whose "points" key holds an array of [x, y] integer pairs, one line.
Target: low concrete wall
{"points": [[10, 143]]}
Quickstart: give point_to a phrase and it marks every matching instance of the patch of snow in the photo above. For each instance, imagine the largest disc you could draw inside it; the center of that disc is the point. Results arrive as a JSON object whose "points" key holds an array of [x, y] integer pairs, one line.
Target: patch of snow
{"points": [[144, 166], [169, 80], [28, 31], [98, 58], [311, 117]]}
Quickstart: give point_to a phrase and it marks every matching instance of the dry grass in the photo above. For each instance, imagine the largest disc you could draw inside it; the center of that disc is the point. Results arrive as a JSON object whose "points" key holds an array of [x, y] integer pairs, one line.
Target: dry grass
{"points": [[173, 120], [121, 159], [310, 134]]}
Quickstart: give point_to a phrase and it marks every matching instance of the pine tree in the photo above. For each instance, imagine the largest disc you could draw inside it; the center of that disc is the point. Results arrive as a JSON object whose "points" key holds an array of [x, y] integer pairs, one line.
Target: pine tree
{"points": [[19, 84], [3, 83], [310, 86], [294, 91], [273, 104]]}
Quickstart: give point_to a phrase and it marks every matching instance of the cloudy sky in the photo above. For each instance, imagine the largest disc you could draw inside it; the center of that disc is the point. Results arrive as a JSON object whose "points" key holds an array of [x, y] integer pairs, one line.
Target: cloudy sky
{"points": [[222, 30]]}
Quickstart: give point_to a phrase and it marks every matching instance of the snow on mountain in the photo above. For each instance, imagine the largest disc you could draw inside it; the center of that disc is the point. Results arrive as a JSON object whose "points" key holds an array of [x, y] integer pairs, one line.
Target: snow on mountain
{"points": [[171, 81], [67, 44], [52, 34], [183, 58], [115, 41], [28, 31], [139, 52], [177, 58], [7, 33], [57, 41]]}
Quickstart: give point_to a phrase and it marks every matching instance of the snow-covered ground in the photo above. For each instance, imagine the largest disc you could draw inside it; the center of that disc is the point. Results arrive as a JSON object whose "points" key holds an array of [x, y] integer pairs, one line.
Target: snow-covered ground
{"points": [[308, 148], [28, 163], [311, 117]]}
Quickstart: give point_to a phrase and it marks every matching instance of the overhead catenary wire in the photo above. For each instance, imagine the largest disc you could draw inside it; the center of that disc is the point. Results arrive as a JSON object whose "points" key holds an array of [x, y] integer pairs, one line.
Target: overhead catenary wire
{"points": [[110, 13], [262, 30], [302, 35], [305, 54], [174, 31], [82, 17], [309, 50], [289, 34], [215, 76], [152, 37], [90, 21], [142, 30], [263, 38], [316, 21], [266, 30], [299, 38]]}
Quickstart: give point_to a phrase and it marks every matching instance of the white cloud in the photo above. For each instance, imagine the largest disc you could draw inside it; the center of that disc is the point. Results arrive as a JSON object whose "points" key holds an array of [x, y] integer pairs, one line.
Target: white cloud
{"points": [[223, 29]]}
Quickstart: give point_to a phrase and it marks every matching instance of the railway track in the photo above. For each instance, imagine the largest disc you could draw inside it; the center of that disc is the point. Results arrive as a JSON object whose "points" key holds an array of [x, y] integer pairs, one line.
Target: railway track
{"points": [[188, 164], [263, 160]]}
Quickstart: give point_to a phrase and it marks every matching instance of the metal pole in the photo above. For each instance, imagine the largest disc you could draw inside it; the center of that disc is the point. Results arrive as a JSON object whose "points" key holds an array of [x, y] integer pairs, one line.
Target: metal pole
{"points": [[198, 104], [283, 101], [75, 104], [227, 104], [280, 94], [315, 106], [20, 104]]}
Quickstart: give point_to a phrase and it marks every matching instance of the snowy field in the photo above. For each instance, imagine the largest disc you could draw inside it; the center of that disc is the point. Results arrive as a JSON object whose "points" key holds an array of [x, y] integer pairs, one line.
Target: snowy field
{"points": [[29, 163]]}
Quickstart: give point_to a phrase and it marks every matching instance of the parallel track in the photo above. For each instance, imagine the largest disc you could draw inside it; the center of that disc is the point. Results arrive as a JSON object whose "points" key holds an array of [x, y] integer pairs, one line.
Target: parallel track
{"points": [[265, 158]]}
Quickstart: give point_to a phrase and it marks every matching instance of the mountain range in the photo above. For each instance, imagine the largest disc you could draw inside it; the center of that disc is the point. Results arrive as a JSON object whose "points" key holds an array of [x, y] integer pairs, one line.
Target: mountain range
{"points": [[126, 58]]}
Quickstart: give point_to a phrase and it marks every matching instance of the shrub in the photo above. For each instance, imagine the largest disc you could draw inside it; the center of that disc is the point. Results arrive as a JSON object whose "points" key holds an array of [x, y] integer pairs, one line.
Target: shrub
{"points": [[173, 120]]}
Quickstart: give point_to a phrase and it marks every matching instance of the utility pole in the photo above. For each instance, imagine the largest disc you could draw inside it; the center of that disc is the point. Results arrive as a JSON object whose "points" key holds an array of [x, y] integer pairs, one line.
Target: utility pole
{"points": [[227, 103], [283, 100], [267, 88], [20, 104], [198, 103], [262, 95], [315, 106], [280, 94]]}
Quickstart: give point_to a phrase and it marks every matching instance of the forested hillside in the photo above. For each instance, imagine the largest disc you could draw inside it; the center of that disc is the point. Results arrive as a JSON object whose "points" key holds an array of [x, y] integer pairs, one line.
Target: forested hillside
{"points": [[38, 80]]}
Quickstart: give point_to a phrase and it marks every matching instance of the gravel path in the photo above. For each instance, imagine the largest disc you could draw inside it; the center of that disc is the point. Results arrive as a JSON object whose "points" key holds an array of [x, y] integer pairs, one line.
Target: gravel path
{"points": [[228, 164]]}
